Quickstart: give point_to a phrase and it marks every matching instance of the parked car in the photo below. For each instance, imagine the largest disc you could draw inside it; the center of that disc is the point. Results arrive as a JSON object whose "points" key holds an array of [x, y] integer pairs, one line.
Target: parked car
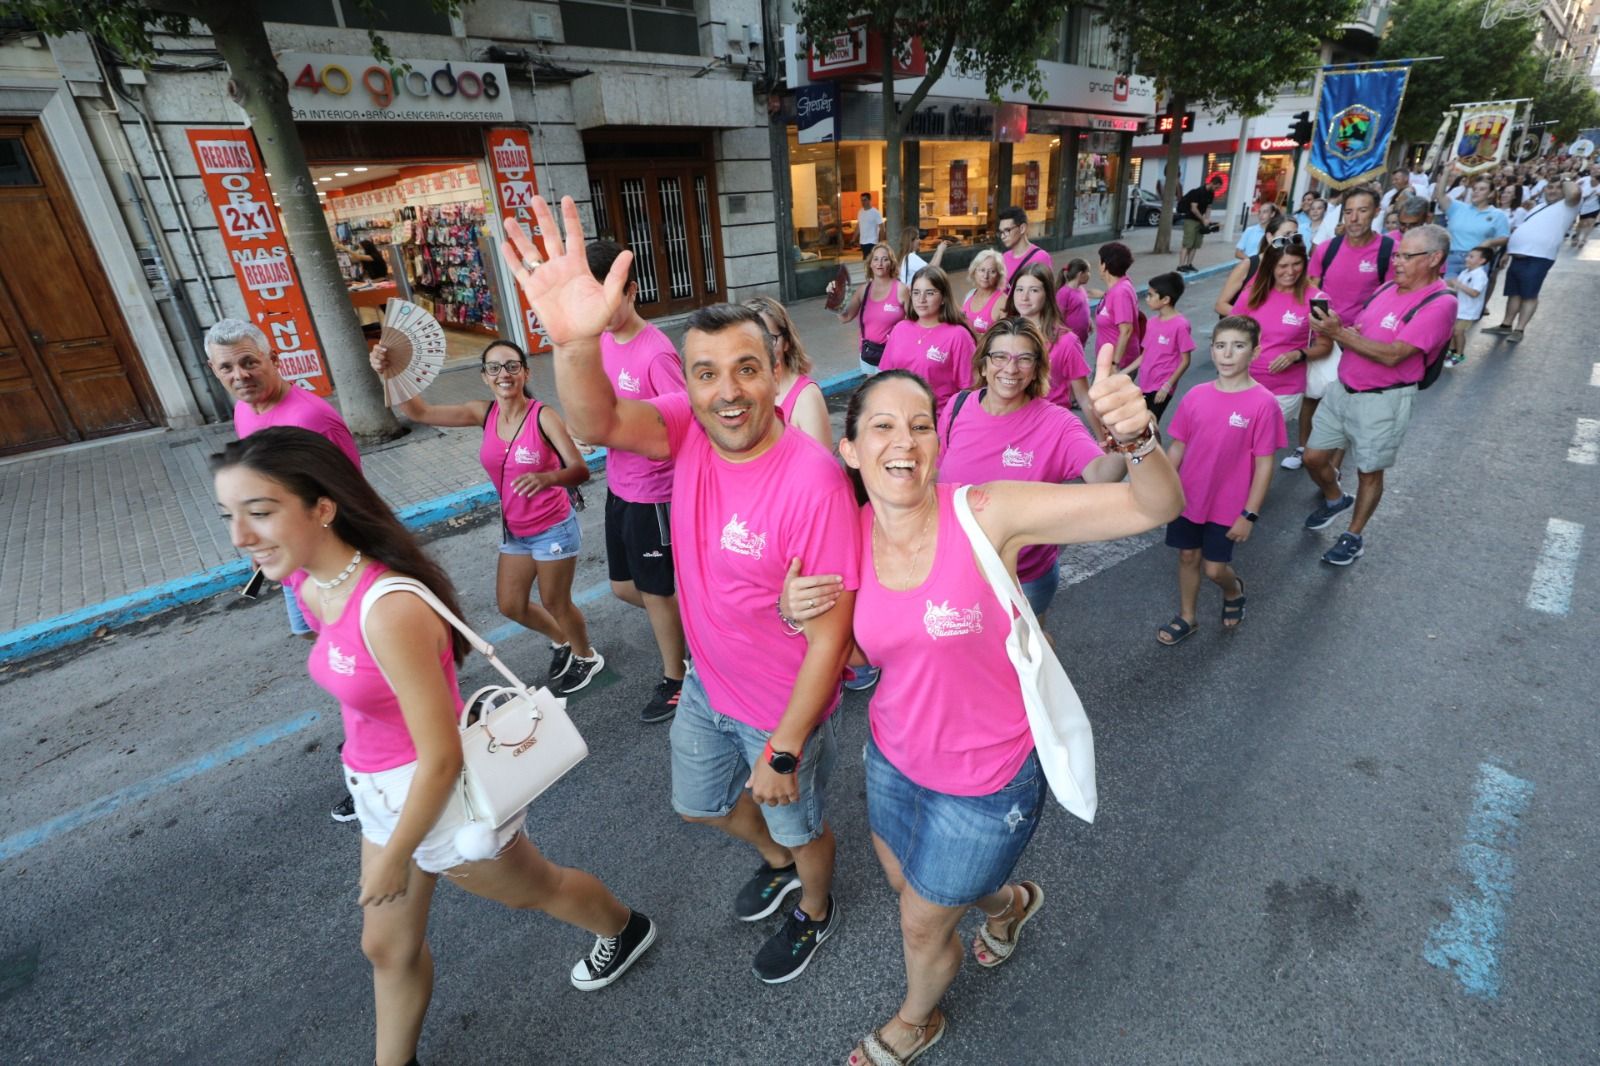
{"points": [[1145, 210]]}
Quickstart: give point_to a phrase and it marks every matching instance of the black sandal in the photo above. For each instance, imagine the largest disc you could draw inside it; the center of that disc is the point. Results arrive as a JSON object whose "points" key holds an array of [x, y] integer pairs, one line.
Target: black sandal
{"points": [[1233, 610], [1178, 630]]}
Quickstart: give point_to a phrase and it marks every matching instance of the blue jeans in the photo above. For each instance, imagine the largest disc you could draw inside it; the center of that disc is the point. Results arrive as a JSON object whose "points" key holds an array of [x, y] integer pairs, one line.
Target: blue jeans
{"points": [[1042, 589], [297, 620]]}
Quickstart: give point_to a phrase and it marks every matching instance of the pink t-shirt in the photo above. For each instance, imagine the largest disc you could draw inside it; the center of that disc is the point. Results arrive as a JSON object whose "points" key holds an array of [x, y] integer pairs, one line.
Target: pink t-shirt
{"points": [[525, 453], [1164, 344], [1350, 278], [1014, 260], [302, 408], [878, 317], [735, 527], [948, 712], [1285, 325], [786, 405], [1074, 304], [1066, 364], [642, 369], [941, 354], [1222, 433], [375, 734], [985, 314], [1037, 442], [1381, 322], [1119, 306]]}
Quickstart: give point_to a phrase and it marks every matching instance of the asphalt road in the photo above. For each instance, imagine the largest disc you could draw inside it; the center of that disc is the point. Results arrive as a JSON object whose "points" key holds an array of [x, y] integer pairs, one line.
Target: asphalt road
{"points": [[1357, 830]]}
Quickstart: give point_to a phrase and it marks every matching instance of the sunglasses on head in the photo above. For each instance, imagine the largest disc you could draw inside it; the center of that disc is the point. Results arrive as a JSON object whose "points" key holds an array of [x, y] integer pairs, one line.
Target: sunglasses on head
{"points": [[1293, 240]]}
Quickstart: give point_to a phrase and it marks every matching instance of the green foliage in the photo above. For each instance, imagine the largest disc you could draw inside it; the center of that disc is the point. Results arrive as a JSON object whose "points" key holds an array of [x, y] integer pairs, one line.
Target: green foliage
{"points": [[1479, 64]]}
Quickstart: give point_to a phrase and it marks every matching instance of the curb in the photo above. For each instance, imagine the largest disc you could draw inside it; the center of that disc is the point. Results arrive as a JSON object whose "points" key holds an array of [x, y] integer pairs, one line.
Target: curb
{"points": [[73, 627]]}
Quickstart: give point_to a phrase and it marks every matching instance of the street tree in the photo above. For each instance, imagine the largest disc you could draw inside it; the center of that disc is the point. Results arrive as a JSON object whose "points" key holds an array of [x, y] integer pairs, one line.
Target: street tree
{"points": [[131, 29], [1479, 64], [998, 43], [1222, 56]]}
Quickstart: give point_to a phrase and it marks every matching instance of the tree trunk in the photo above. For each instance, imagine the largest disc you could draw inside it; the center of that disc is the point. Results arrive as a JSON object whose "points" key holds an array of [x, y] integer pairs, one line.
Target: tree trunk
{"points": [[1169, 193], [260, 88], [893, 191]]}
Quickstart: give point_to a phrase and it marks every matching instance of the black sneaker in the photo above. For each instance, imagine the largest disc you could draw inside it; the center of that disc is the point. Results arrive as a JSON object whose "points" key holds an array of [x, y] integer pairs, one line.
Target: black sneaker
{"points": [[1326, 512], [560, 660], [787, 954], [345, 810], [611, 956], [579, 674], [765, 892], [664, 704]]}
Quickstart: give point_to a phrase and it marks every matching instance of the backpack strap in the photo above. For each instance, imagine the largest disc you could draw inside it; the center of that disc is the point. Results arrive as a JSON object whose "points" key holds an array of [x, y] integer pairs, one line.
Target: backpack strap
{"points": [[1409, 315], [1329, 252], [1385, 253], [1025, 260], [955, 409], [1379, 291]]}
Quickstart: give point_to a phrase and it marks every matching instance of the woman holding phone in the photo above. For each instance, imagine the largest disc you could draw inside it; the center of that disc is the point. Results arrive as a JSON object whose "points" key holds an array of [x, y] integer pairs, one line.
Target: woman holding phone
{"points": [[1280, 298]]}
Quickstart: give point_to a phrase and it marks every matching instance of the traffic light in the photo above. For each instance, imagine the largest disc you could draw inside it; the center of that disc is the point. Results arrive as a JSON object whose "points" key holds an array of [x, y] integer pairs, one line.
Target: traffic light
{"points": [[1303, 129]]}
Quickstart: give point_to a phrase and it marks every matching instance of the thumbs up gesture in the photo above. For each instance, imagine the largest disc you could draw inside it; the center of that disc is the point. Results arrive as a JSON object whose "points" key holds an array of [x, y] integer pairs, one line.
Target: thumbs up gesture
{"points": [[1118, 404]]}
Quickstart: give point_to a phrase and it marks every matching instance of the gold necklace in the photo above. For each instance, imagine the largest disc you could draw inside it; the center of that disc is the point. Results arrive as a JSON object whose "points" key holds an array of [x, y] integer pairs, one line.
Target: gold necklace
{"points": [[916, 555]]}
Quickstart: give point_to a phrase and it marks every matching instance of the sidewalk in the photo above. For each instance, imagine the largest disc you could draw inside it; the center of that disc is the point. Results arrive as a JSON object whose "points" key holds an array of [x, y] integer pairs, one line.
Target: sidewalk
{"points": [[105, 534]]}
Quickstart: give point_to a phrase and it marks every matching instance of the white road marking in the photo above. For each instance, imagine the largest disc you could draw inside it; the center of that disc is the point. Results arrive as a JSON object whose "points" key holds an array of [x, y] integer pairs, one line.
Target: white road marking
{"points": [[1585, 443], [1551, 588], [1594, 375]]}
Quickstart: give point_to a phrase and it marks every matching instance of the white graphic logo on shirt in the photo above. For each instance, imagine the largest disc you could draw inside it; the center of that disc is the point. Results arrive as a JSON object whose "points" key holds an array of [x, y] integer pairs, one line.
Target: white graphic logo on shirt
{"points": [[1390, 321], [1238, 421], [340, 663], [942, 620], [1366, 266], [936, 356], [1014, 456], [739, 540], [523, 457], [1162, 338], [891, 306], [1292, 319], [627, 382]]}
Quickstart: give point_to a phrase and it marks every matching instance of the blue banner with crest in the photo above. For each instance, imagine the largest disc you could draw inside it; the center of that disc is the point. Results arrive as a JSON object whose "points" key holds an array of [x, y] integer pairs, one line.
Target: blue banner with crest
{"points": [[1356, 115]]}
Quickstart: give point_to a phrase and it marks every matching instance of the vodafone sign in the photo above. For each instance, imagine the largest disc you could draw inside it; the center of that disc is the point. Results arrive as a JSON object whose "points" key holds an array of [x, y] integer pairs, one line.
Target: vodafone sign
{"points": [[1272, 144]]}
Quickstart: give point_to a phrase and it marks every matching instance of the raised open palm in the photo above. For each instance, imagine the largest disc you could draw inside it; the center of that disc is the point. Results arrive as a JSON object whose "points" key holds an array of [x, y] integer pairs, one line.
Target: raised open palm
{"points": [[570, 303]]}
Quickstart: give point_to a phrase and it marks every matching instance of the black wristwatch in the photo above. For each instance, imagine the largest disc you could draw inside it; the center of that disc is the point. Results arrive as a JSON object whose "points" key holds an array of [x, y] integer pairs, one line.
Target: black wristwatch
{"points": [[1249, 516], [781, 761]]}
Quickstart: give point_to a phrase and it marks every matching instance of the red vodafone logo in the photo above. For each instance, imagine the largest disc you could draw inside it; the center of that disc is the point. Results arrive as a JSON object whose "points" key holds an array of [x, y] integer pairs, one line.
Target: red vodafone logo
{"points": [[1222, 175], [1119, 88]]}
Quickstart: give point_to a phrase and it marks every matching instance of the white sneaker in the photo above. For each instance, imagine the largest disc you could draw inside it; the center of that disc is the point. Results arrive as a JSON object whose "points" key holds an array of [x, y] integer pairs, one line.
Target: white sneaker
{"points": [[1294, 460]]}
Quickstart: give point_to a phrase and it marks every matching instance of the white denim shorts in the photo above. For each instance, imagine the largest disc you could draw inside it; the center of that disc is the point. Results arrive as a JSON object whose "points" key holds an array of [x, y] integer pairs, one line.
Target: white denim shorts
{"points": [[379, 799]]}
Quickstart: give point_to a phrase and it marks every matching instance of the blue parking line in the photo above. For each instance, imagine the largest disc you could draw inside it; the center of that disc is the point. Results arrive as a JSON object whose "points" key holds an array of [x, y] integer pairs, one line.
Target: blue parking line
{"points": [[1467, 944], [18, 843]]}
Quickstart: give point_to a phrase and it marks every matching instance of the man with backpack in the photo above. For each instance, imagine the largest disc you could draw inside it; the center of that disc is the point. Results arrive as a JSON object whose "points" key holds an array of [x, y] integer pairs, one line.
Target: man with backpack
{"points": [[1393, 347], [1019, 250], [1349, 267]]}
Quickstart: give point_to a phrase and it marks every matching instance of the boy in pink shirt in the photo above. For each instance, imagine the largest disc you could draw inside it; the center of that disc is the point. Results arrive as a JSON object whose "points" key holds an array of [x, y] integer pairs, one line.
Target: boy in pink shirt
{"points": [[1167, 342], [752, 742], [1223, 436], [642, 364]]}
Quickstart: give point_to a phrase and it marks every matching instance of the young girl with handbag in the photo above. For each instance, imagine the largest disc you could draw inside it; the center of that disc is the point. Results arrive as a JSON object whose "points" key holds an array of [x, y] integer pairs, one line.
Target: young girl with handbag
{"points": [[309, 520]]}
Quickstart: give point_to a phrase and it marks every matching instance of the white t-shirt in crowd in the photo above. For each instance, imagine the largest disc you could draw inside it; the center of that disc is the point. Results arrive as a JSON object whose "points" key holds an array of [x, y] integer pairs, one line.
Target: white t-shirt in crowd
{"points": [[1591, 195], [909, 267], [1531, 192], [868, 222], [1542, 232], [1470, 308], [1330, 223], [1518, 216], [1419, 185]]}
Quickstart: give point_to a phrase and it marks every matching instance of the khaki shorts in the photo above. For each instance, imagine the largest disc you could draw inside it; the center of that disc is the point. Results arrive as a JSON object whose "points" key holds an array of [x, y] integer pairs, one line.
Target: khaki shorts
{"points": [[1320, 373], [1194, 233], [1290, 406], [1369, 426]]}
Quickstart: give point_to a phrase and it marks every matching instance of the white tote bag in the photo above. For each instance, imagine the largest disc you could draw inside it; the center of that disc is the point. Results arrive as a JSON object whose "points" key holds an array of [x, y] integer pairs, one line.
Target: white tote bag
{"points": [[1061, 732], [522, 741]]}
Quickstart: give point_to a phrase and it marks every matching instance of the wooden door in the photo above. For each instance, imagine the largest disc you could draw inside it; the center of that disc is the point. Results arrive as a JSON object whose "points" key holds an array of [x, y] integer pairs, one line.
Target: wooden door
{"points": [[67, 366]]}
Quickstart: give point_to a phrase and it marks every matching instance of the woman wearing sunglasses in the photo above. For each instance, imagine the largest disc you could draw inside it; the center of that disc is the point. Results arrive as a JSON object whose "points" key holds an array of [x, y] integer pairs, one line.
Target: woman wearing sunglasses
{"points": [[1245, 269], [532, 462], [1279, 299]]}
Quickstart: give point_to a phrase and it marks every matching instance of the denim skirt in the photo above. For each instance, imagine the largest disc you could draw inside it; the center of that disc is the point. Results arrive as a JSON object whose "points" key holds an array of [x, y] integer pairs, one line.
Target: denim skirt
{"points": [[953, 850]]}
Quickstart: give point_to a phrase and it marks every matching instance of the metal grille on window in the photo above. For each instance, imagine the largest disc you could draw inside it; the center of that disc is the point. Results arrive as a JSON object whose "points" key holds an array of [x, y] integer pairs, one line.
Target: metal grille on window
{"points": [[707, 256], [639, 239], [676, 237], [602, 217]]}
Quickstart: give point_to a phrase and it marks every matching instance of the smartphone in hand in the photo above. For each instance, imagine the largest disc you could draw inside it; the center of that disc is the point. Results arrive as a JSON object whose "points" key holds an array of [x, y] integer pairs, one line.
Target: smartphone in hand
{"points": [[1320, 307], [252, 588]]}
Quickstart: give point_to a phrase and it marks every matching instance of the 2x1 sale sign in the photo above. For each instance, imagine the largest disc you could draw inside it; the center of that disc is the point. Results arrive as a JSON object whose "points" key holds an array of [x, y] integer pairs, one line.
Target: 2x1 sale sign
{"points": [[252, 235], [511, 167]]}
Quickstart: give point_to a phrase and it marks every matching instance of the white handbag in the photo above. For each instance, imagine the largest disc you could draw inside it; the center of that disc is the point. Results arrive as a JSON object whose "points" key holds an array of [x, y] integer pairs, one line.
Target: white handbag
{"points": [[1061, 732], [520, 744]]}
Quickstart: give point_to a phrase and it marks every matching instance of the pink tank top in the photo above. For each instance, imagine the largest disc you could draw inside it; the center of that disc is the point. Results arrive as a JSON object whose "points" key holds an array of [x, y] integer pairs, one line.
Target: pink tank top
{"points": [[375, 733], [948, 712], [983, 316], [879, 316], [525, 453], [801, 384]]}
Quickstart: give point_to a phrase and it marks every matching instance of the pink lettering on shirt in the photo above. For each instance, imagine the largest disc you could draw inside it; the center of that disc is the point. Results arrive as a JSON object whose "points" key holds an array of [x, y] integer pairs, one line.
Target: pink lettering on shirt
{"points": [[1222, 434], [305, 410], [1165, 342], [1120, 306], [941, 354], [1383, 321], [1285, 325], [642, 369], [735, 527], [525, 453]]}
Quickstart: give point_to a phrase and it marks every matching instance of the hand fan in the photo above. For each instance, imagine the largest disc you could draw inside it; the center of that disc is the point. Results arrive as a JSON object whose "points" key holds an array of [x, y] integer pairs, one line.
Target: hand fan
{"points": [[841, 289], [416, 345]]}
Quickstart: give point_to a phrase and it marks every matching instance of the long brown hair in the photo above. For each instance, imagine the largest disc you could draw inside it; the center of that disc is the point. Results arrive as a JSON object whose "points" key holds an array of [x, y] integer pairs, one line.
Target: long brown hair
{"points": [[1050, 323], [949, 311], [1016, 326], [1263, 283], [312, 468]]}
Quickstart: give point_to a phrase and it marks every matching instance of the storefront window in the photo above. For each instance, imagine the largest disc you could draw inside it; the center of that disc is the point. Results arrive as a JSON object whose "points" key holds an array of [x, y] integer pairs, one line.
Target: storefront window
{"points": [[826, 182], [1273, 178], [1220, 164], [1099, 165], [953, 191], [1035, 169]]}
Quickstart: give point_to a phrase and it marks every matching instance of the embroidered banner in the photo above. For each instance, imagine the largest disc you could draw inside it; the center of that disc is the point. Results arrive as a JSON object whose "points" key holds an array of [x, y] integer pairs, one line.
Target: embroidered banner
{"points": [[1355, 121], [1483, 136]]}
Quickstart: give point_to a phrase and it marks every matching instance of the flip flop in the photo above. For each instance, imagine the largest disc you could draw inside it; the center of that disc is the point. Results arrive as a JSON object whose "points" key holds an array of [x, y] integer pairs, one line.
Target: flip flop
{"points": [[1233, 610], [1178, 629], [1001, 950]]}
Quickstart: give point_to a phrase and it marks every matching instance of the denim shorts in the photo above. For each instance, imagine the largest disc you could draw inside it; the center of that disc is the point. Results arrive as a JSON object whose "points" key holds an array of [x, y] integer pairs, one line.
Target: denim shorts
{"points": [[1042, 589], [711, 759], [560, 541], [379, 798], [953, 850], [297, 619]]}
